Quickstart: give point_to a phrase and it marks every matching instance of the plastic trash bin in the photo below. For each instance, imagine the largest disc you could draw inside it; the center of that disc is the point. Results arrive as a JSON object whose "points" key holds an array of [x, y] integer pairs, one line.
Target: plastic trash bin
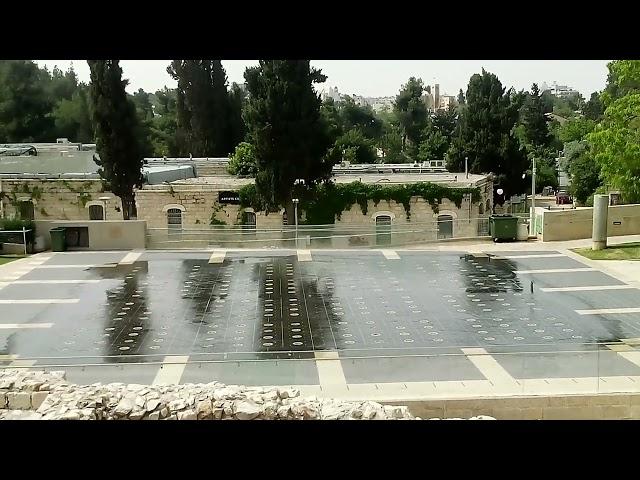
{"points": [[58, 241], [523, 232], [503, 227]]}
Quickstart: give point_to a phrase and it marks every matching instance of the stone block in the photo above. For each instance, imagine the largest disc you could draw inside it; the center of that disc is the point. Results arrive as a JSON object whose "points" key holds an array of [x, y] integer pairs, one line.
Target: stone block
{"points": [[19, 400], [37, 398], [3, 400], [609, 400], [575, 413]]}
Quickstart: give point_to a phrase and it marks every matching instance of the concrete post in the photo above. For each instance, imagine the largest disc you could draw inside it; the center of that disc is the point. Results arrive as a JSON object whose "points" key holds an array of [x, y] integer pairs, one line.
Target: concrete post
{"points": [[600, 214]]}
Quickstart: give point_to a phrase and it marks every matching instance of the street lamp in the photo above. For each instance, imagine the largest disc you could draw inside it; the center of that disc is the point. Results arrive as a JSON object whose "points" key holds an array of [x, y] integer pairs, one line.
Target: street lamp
{"points": [[295, 214]]}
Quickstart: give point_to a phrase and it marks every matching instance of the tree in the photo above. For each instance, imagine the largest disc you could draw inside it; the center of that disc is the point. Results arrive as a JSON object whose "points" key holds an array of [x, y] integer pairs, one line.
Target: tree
{"points": [[237, 128], [575, 129], [286, 128], [72, 118], [203, 107], [532, 118], [25, 103], [354, 147], [243, 161], [484, 134], [434, 145], [363, 118], [585, 176], [461, 99], [116, 124], [615, 142], [411, 112], [594, 108], [391, 145]]}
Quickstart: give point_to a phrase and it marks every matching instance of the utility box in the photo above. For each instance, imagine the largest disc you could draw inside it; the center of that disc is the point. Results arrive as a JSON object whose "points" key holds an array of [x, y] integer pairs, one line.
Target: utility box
{"points": [[503, 227], [58, 240]]}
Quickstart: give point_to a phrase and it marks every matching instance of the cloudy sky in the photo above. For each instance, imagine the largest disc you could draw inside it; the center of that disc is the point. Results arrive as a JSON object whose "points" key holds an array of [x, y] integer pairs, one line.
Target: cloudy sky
{"points": [[377, 78]]}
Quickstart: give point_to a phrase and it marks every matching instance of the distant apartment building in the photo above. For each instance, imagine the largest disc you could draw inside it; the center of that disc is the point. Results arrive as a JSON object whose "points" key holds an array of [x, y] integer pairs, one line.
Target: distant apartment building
{"points": [[432, 97], [561, 91]]}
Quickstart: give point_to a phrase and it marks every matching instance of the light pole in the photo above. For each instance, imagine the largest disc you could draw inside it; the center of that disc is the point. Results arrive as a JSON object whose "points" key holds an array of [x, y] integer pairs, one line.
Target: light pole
{"points": [[466, 167], [295, 214]]}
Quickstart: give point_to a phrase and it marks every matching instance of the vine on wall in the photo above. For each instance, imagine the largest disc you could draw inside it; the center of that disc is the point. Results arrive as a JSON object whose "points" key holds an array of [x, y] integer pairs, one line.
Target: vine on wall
{"points": [[326, 202]]}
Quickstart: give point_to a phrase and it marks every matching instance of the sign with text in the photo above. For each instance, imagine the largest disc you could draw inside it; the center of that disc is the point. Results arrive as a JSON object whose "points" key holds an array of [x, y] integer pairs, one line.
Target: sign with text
{"points": [[229, 198]]}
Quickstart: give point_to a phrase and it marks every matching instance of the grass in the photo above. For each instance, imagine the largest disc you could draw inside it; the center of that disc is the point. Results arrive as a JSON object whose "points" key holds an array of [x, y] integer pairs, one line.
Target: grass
{"points": [[9, 258], [625, 251]]}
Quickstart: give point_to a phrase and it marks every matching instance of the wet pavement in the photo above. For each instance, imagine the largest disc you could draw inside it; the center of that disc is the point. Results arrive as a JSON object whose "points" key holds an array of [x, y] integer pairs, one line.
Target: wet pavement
{"points": [[259, 317]]}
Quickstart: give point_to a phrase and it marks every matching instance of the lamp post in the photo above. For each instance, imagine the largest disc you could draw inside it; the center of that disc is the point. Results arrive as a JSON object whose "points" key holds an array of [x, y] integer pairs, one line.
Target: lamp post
{"points": [[295, 214]]}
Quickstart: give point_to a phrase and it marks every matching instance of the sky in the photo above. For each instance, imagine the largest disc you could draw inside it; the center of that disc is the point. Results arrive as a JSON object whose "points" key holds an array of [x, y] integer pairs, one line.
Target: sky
{"points": [[379, 78]]}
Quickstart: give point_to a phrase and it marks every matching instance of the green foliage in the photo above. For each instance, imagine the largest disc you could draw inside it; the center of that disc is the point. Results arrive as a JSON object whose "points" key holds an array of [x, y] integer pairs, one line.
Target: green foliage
{"points": [[616, 146], [411, 111], [204, 108], [434, 145], [532, 118], [43, 212], [327, 201], [290, 136], [215, 221], [17, 225], [485, 134], [116, 126], [83, 198], [243, 161], [594, 108], [585, 176], [354, 147], [575, 129]]}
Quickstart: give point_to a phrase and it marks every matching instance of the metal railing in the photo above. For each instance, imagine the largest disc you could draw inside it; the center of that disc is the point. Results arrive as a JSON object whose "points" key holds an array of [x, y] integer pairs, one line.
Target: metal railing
{"points": [[13, 235], [317, 236]]}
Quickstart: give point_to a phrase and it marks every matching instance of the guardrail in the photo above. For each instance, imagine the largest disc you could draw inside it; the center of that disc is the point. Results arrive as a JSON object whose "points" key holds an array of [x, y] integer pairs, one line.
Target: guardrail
{"points": [[317, 236], [24, 232]]}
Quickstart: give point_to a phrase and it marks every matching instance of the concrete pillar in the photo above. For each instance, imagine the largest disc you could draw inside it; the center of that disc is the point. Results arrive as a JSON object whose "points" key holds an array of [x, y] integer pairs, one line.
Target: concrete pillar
{"points": [[600, 214]]}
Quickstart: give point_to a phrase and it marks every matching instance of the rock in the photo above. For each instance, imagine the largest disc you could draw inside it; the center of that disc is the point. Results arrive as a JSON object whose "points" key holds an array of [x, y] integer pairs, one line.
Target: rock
{"points": [[153, 416], [217, 413], [72, 415], [140, 402], [37, 398], [187, 415], [482, 417], [137, 414], [21, 415], [19, 400], [246, 410], [203, 409], [288, 392], [164, 412], [124, 407], [152, 404], [283, 411], [3, 399], [178, 404]]}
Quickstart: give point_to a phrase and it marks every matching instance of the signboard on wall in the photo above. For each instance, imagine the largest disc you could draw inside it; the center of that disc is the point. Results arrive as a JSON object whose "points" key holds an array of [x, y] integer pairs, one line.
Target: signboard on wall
{"points": [[229, 198]]}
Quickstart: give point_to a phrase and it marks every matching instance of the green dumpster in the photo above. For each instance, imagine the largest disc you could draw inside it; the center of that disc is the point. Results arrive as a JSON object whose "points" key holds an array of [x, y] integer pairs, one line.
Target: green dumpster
{"points": [[58, 241], [503, 227]]}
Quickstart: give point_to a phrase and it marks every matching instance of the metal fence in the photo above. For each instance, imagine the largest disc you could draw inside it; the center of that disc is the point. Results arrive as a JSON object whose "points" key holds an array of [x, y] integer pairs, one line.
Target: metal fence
{"points": [[14, 237], [317, 236]]}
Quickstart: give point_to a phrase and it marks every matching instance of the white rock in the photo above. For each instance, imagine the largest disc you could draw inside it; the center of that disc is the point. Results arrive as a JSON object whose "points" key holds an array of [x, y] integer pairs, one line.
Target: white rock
{"points": [[153, 416], [246, 410], [187, 415], [203, 409], [124, 407]]}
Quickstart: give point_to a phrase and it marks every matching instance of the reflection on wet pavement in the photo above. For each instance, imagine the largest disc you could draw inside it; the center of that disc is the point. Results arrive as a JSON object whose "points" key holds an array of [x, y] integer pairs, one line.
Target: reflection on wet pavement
{"points": [[252, 305]]}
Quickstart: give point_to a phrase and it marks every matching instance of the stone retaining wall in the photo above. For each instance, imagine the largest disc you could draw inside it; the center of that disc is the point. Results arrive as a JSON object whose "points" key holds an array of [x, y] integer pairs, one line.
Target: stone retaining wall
{"points": [[39, 395]]}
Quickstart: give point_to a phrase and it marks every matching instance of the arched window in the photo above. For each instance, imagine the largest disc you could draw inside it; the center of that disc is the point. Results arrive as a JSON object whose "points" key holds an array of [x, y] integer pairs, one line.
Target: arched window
{"points": [[383, 229], [26, 210], [174, 220], [96, 212], [481, 209], [445, 226]]}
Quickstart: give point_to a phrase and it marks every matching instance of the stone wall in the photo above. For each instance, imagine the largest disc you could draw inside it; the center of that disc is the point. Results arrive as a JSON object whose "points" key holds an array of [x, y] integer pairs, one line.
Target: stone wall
{"points": [[578, 223], [39, 395], [57, 199]]}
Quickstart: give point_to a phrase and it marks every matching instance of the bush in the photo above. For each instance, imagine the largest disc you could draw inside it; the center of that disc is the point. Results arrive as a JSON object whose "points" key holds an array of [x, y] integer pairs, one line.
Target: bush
{"points": [[243, 161], [15, 224]]}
